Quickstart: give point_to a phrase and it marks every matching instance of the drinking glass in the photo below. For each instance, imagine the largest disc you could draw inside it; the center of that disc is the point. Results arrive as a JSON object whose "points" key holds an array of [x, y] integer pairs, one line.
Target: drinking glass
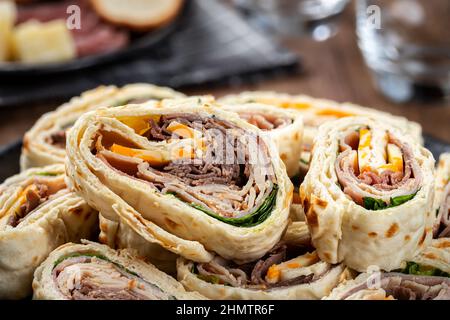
{"points": [[296, 17], [406, 43]]}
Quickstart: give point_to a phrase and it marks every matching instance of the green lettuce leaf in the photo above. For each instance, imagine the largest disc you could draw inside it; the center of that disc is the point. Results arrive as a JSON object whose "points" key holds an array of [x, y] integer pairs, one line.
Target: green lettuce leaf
{"points": [[396, 201], [374, 204], [256, 217], [378, 204], [102, 257], [421, 270], [209, 278], [47, 174]]}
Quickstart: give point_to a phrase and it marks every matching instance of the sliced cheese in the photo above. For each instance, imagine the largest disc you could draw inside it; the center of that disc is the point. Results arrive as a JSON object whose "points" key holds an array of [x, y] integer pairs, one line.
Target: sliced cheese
{"points": [[395, 159], [138, 124], [293, 268], [8, 15], [157, 156], [36, 42], [154, 157], [371, 150], [333, 113], [195, 137], [286, 104], [182, 130]]}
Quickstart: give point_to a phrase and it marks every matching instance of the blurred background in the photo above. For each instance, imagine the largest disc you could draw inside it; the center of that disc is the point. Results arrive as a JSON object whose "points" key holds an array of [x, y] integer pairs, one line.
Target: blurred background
{"points": [[390, 55]]}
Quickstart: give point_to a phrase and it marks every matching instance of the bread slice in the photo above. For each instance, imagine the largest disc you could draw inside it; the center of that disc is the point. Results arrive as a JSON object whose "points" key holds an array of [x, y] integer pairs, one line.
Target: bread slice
{"points": [[140, 15]]}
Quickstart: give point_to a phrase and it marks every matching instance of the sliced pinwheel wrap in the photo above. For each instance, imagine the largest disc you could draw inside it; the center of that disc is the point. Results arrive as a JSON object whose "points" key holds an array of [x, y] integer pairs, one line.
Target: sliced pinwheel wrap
{"points": [[393, 286], [91, 271], [184, 175], [368, 194], [434, 260], [442, 198], [318, 111], [290, 270], [284, 127], [37, 214], [44, 144]]}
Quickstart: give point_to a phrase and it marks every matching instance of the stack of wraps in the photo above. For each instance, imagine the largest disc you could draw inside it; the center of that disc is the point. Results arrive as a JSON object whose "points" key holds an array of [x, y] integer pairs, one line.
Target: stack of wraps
{"points": [[368, 194], [185, 176], [316, 112]]}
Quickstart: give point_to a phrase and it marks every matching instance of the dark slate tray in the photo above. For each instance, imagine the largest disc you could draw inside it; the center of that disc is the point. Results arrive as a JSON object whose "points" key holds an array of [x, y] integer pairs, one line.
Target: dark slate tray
{"points": [[139, 43], [9, 156], [211, 43]]}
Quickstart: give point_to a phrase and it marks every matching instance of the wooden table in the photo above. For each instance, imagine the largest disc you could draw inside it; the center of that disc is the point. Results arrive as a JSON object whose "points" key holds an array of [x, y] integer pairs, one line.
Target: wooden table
{"points": [[333, 69]]}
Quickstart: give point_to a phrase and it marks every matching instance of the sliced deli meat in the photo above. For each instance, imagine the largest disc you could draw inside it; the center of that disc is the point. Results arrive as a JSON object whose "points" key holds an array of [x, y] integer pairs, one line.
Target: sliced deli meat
{"points": [[393, 286], [285, 127], [180, 175], [368, 194], [90, 271], [290, 270], [38, 213], [318, 111], [441, 205], [45, 142]]}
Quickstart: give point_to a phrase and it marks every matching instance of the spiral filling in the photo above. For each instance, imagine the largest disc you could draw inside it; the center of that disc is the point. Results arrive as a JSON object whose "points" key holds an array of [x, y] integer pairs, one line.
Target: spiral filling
{"points": [[283, 266], [203, 161], [442, 226], [265, 122], [403, 287], [97, 278], [33, 194], [376, 169]]}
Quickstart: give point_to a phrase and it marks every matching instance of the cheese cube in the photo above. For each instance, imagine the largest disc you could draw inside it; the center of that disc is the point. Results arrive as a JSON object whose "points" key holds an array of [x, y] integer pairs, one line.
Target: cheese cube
{"points": [[8, 14], [37, 42]]}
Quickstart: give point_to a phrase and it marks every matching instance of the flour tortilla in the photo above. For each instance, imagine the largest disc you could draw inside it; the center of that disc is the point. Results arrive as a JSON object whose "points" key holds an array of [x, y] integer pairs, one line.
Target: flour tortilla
{"points": [[62, 218], [163, 219], [45, 287], [342, 230]]}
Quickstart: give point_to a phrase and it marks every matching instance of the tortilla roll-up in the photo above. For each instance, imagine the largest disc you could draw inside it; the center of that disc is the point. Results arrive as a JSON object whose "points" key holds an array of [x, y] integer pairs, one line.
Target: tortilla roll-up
{"points": [[433, 260], [285, 127], [91, 271], [368, 194], [442, 198], [160, 168], [291, 270], [37, 214], [393, 286], [425, 277], [119, 235], [45, 142], [318, 111]]}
